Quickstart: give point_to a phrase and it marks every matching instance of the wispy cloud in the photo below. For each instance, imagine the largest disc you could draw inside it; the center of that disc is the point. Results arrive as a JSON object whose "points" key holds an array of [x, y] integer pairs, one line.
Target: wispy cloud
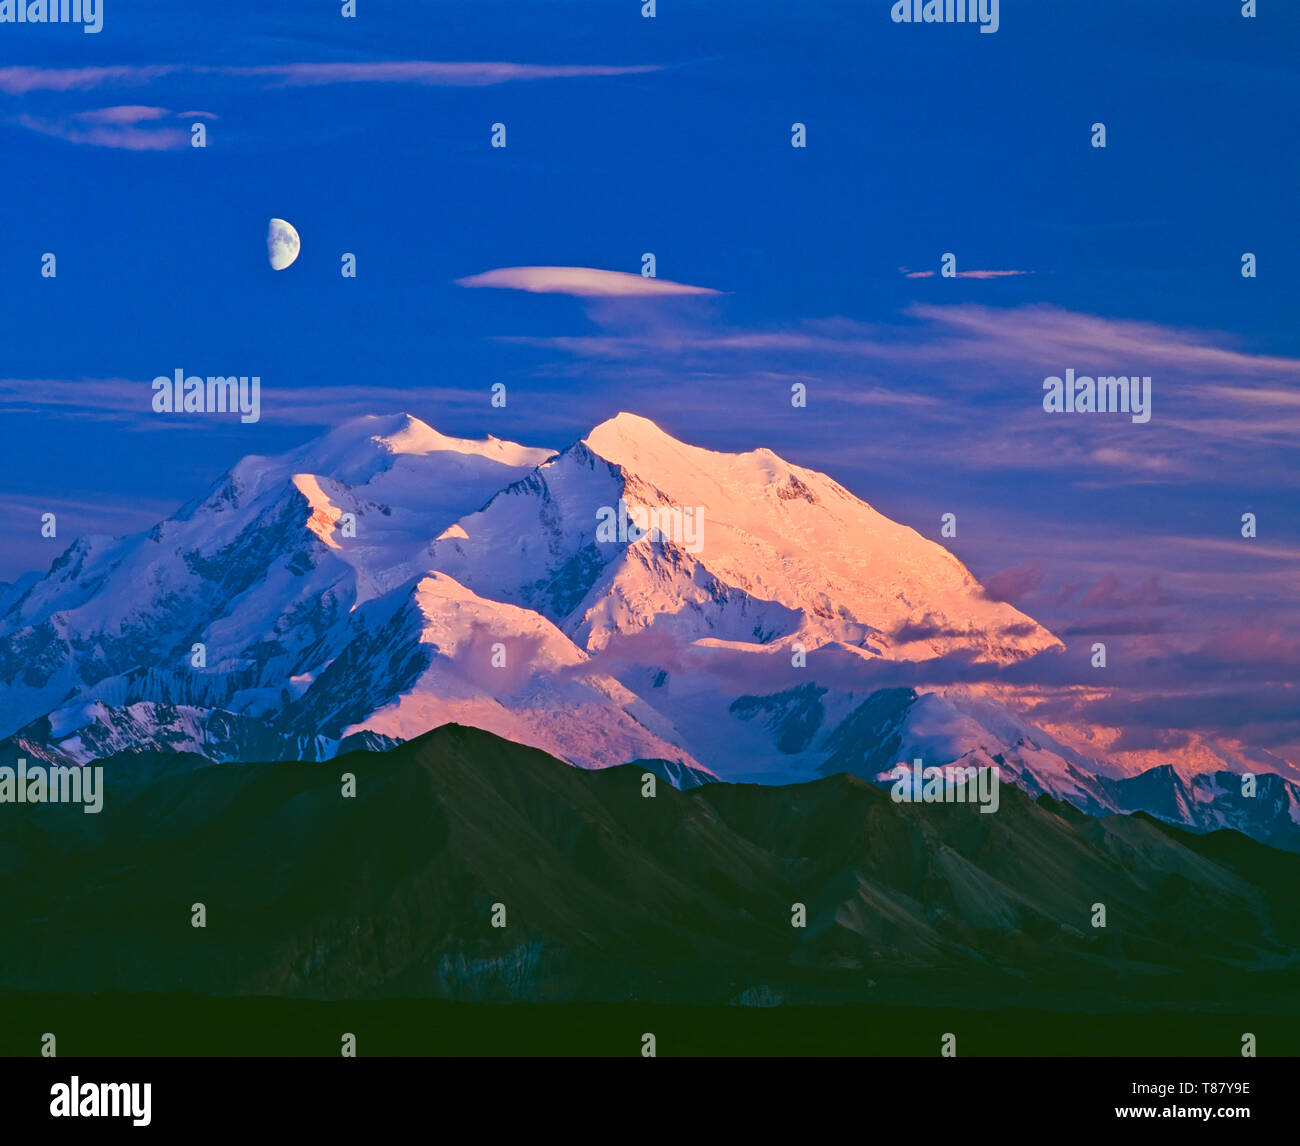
{"points": [[127, 127], [964, 274], [581, 282], [1043, 332], [21, 80], [129, 401], [991, 274], [431, 72], [1012, 585], [442, 73], [1210, 398], [112, 398], [122, 114], [966, 335]]}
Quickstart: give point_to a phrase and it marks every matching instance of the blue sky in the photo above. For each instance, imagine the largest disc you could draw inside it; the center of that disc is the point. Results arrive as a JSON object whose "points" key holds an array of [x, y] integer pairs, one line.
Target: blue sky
{"points": [[674, 138]]}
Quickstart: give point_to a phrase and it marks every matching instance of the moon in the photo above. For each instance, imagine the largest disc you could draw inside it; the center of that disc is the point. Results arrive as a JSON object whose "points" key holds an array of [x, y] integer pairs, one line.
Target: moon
{"points": [[282, 244]]}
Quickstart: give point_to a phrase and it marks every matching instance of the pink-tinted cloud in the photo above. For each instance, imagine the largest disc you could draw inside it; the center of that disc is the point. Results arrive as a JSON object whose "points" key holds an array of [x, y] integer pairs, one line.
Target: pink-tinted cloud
{"points": [[1011, 585], [581, 282], [438, 73], [1254, 396], [122, 127], [127, 137], [964, 340], [22, 80], [129, 401], [123, 114], [1106, 593], [1212, 399], [965, 273], [1047, 333], [100, 396]]}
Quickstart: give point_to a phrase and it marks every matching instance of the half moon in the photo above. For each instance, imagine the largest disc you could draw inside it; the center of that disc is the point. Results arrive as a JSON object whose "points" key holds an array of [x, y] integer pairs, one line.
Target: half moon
{"points": [[282, 244]]}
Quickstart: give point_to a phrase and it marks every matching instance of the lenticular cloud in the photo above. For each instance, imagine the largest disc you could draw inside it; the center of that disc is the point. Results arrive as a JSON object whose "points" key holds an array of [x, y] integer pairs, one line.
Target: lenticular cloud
{"points": [[582, 282]]}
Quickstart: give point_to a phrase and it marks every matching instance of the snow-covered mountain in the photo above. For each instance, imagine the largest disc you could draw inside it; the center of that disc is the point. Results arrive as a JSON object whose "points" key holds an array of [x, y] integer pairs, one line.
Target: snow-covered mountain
{"points": [[387, 579], [782, 555], [254, 570], [292, 607], [961, 726]]}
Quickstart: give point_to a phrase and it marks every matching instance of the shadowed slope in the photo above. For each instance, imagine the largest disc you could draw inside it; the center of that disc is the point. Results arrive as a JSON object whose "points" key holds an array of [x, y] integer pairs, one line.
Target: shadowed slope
{"points": [[611, 895]]}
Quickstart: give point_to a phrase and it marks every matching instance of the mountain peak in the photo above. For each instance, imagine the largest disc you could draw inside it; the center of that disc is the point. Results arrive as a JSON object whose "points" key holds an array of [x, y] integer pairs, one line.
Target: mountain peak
{"points": [[625, 427], [400, 433], [641, 446], [362, 446]]}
